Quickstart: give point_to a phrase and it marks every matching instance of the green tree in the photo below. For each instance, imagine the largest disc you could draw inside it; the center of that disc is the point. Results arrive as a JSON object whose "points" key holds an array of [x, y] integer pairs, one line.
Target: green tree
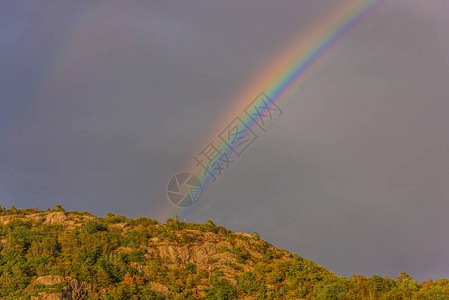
{"points": [[332, 291], [58, 207], [93, 226], [221, 290]]}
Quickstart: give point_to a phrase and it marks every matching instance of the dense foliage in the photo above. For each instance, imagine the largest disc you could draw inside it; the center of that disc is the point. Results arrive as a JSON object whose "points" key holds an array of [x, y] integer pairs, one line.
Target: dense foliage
{"points": [[115, 256]]}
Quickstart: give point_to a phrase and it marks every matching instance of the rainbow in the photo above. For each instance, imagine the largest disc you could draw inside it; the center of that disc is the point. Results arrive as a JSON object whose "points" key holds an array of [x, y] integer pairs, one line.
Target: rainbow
{"points": [[282, 77]]}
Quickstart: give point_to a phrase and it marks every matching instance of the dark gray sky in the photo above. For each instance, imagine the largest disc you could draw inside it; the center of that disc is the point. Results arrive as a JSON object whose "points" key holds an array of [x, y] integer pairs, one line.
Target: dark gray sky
{"points": [[100, 104]]}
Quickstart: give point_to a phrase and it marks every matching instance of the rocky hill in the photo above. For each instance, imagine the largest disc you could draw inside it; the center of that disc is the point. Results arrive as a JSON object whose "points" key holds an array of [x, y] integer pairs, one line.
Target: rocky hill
{"points": [[56, 254]]}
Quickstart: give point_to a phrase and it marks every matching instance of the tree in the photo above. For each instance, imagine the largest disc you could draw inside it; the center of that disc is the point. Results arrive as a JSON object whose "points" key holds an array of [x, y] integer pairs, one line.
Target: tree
{"points": [[333, 291], [256, 235], [221, 289], [93, 226], [58, 207]]}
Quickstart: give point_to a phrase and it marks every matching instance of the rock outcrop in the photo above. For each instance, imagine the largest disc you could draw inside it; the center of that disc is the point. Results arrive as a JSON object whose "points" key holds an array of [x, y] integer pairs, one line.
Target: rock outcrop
{"points": [[74, 289]]}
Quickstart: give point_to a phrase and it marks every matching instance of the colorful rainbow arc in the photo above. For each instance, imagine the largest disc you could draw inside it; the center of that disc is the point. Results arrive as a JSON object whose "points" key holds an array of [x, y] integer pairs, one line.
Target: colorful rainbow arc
{"points": [[287, 73]]}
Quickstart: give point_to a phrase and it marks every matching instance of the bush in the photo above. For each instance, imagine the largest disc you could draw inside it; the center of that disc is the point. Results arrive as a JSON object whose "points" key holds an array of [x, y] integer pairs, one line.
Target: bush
{"points": [[190, 268], [187, 239], [241, 254], [58, 207], [221, 290], [136, 256], [113, 219], [255, 235], [333, 291], [248, 283], [135, 238], [93, 226]]}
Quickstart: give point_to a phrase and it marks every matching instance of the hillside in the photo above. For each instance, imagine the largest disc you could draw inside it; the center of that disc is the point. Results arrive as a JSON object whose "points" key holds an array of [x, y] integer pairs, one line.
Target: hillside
{"points": [[56, 254]]}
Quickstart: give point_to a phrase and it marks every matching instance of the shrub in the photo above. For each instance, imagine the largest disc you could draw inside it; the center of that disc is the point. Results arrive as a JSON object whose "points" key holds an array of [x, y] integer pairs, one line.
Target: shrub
{"points": [[190, 268], [256, 235], [221, 289], [58, 207], [95, 225], [187, 239]]}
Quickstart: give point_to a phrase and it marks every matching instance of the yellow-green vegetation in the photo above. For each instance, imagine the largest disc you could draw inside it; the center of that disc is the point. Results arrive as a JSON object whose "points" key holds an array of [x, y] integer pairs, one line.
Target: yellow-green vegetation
{"points": [[76, 255]]}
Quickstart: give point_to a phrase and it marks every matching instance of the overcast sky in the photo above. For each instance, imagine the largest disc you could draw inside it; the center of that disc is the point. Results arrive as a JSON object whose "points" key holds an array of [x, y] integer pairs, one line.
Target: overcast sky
{"points": [[102, 102]]}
